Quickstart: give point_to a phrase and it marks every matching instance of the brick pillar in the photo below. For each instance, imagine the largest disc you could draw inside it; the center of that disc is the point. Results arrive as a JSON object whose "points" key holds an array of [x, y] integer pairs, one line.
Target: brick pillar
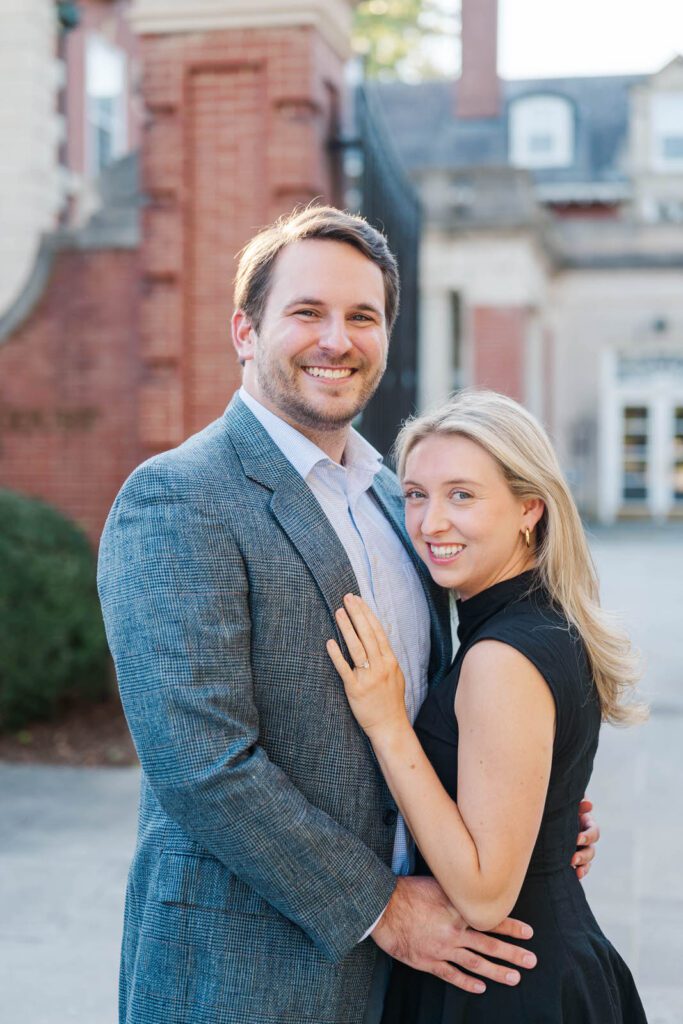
{"points": [[241, 102], [499, 341], [478, 92]]}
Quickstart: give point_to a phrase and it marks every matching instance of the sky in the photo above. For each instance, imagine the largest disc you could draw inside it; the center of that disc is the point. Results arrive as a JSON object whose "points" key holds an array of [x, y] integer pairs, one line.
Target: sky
{"points": [[540, 38], [552, 38]]}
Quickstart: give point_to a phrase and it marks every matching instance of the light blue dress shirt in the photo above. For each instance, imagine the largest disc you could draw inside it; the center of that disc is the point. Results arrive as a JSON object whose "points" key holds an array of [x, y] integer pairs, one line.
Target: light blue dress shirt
{"points": [[385, 573]]}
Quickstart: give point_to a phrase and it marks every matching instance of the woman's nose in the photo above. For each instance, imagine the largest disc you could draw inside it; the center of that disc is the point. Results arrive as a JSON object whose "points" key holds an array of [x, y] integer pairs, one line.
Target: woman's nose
{"points": [[434, 520]]}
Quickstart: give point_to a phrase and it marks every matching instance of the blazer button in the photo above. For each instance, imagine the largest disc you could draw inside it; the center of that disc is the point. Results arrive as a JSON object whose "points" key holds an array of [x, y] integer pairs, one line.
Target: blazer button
{"points": [[390, 816]]}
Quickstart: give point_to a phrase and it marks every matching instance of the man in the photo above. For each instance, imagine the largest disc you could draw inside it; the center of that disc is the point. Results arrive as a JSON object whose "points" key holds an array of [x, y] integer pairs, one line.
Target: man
{"points": [[266, 830]]}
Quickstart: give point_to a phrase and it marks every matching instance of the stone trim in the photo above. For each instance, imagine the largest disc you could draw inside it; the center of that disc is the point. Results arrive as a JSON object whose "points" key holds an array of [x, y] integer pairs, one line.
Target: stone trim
{"points": [[32, 292], [332, 18], [124, 236]]}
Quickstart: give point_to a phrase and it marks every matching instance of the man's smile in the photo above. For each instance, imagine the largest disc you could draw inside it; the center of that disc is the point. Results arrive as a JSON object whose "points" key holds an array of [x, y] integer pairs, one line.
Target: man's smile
{"points": [[329, 372]]}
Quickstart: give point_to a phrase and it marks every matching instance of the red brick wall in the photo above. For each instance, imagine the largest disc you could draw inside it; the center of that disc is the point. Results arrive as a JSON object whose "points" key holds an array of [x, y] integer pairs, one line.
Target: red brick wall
{"points": [[68, 375], [498, 336], [129, 352], [236, 134]]}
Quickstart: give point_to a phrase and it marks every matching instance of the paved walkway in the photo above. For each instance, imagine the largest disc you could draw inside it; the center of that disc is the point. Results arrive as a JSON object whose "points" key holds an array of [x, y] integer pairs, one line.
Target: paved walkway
{"points": [[67, 834], [66, 838], [636, 887]]}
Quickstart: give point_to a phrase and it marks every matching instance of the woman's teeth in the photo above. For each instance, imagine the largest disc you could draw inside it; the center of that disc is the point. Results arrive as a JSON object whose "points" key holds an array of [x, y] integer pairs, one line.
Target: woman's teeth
{"points": [[446, 550], [328, 372]]}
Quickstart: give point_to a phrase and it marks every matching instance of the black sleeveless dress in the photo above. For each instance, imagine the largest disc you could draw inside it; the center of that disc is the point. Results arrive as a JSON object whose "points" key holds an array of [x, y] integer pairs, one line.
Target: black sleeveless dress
{"points": [[579, 978]]}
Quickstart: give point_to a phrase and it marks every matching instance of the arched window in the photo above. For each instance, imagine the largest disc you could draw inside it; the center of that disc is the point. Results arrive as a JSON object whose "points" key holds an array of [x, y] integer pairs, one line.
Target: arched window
{"points": [[541, 132]]}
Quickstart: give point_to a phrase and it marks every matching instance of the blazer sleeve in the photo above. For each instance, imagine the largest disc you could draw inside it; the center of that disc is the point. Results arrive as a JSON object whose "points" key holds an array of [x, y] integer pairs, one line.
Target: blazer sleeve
{"points": [[174, 593]]}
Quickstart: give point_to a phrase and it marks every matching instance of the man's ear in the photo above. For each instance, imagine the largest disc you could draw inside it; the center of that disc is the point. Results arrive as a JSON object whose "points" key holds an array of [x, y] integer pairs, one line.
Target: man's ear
{"points": [[243, 336]]}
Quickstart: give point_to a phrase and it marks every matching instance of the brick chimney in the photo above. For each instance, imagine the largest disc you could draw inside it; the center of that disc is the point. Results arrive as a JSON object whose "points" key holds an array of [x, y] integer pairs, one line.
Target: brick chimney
{"points": [[478, 90]]}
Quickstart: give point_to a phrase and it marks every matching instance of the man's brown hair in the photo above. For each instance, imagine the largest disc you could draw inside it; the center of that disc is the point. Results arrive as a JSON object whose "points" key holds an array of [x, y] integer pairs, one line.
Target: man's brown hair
{"points": [[257, 259]]}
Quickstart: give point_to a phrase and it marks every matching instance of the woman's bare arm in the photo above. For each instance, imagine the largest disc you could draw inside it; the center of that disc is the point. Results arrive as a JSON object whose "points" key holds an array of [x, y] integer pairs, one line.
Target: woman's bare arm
{"points": [[479, 848]]}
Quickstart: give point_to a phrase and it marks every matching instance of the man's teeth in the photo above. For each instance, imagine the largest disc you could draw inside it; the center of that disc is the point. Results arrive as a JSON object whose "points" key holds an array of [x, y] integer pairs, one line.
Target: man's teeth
{"points": [[328, 372], [446, 550]]}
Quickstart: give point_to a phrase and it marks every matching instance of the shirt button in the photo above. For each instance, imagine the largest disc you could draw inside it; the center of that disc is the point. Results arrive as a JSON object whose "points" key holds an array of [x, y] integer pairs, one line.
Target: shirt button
{"points": [[390, 816]]}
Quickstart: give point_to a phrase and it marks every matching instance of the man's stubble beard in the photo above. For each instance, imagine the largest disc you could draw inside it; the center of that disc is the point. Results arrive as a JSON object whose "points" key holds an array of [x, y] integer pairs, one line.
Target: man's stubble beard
{"points": [[280, 390]]}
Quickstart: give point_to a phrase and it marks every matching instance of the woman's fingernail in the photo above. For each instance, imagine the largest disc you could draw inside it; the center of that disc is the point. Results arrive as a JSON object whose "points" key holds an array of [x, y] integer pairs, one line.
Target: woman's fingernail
{"points": [[529, 960], [527, 932], [479, 987], [512, 977]]}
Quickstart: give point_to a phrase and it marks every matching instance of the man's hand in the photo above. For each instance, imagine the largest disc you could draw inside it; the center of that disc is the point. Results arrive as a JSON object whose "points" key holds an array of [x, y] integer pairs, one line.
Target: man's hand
{"points": [[586, 840], [422, 929]]}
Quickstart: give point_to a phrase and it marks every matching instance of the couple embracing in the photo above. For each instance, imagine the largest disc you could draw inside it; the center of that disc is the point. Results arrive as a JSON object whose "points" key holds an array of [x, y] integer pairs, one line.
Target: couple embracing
{"points": [[342, 820]]}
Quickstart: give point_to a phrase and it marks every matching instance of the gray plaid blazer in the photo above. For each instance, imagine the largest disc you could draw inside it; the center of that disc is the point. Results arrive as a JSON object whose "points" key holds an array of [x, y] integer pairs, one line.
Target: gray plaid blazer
{"points": [[265, 827]]}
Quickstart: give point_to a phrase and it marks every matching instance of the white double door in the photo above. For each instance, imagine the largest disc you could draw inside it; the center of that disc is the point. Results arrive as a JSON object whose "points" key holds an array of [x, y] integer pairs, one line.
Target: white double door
{"points": [[642, 449]]}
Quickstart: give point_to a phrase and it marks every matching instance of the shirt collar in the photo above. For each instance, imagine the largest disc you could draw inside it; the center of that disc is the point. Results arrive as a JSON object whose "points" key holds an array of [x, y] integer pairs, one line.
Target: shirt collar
{"points": [[361, 461]]}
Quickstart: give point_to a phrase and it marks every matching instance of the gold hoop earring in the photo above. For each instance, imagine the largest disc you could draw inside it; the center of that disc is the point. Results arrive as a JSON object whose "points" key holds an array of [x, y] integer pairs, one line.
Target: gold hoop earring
{"points": [[528, 539]]}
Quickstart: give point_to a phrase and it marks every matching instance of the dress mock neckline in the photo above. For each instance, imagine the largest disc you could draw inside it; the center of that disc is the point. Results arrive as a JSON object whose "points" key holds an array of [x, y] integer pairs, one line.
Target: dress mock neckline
{"points": [[473, 612]]}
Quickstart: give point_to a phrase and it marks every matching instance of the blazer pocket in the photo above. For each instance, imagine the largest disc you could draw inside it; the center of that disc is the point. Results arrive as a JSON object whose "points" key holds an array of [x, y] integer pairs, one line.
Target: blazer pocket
{"points": [[194, 880]]}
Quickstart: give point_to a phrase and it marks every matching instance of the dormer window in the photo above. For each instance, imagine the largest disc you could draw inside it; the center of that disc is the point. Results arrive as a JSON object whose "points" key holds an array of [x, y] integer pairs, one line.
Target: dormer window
{"points": [[541, 132], [667, 131]]}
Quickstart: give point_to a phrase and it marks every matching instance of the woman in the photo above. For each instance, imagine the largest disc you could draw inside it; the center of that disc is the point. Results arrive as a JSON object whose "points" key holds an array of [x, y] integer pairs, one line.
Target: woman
{"points": [[501, 753]]}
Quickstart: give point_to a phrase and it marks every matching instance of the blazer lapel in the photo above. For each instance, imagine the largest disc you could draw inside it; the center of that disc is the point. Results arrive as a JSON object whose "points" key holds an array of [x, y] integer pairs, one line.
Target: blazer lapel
{"points": [[298, 512], [293, 505]]}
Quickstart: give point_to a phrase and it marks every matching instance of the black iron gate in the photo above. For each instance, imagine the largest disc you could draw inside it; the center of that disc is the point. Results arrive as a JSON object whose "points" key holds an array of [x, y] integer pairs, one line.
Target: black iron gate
{"points": [[389, 201]]}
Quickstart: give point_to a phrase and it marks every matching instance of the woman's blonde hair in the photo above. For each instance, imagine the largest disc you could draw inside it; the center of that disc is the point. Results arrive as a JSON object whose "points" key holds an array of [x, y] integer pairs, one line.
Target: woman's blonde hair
{"points": [[522, 449]]}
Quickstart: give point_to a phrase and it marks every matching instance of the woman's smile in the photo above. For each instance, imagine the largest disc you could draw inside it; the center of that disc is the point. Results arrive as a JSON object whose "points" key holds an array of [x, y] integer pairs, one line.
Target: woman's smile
{"points": [[444, 554]]}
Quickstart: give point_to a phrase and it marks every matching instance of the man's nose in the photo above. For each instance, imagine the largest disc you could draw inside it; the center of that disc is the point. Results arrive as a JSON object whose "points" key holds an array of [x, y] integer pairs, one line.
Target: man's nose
{"points": [[334, 337]]}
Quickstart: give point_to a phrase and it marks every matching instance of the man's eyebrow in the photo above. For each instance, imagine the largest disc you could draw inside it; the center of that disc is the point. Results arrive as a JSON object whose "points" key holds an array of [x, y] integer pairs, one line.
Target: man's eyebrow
{"points": [[369, 308], [305, 300]]}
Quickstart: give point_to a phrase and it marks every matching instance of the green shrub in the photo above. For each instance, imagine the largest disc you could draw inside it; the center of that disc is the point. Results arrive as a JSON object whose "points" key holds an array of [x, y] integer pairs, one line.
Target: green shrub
{"points": [[52, 643]]}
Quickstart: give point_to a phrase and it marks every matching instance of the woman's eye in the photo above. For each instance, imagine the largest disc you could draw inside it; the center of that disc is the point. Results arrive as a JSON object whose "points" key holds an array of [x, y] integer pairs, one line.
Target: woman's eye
{"points": [[413, 494], [461, 495]]}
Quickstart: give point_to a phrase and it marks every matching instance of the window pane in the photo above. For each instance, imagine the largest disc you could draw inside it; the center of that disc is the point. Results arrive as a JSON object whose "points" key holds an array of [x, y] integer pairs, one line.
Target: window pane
{"points": [[105, 68], [541, 143], [635, 454], [672, 147], [106, 103], [677, 482]]}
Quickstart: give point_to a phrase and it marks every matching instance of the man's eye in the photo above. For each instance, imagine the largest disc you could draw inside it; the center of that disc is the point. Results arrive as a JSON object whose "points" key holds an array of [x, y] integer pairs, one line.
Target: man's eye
{"points": [[361, 316], [306, 312]]}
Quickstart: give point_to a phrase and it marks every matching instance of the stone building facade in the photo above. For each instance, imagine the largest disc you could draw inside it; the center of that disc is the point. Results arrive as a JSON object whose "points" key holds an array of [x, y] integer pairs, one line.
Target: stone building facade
{"points": [[154, 139], [552, 260], [31, 129]]}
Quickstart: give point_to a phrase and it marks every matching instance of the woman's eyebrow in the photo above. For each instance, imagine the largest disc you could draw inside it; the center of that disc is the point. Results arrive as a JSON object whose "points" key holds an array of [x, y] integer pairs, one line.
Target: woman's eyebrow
{"points": [[446, 483]]}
